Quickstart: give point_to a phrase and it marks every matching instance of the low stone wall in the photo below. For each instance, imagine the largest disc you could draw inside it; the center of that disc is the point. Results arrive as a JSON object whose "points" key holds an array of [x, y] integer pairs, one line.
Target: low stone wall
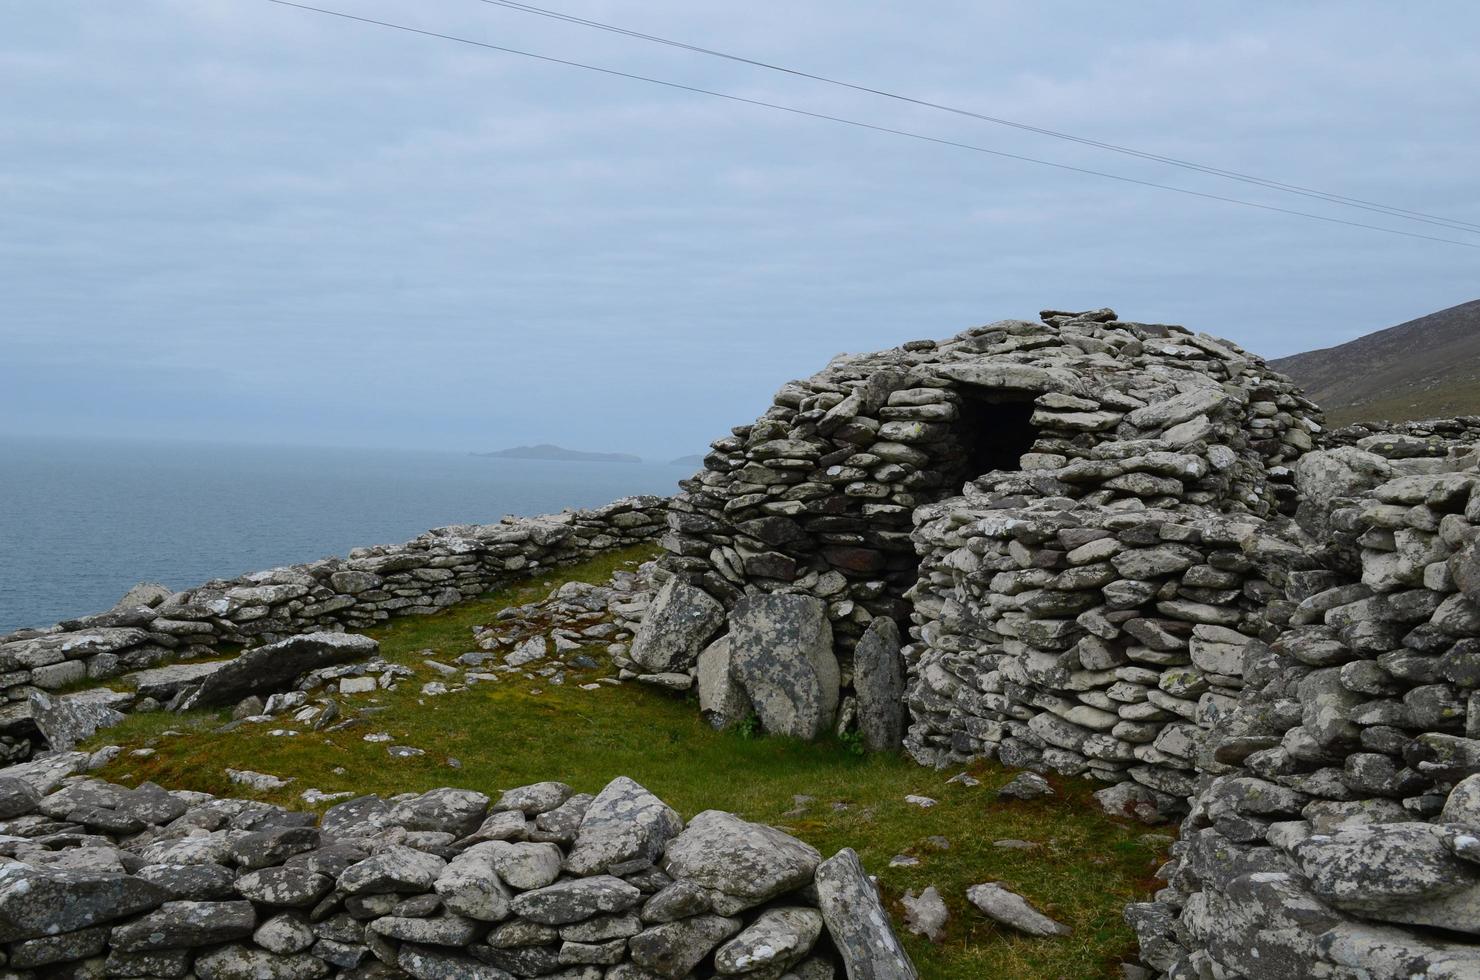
{"points": [[1086, 640], [103, 880], [153, 625], [1335, 826]]}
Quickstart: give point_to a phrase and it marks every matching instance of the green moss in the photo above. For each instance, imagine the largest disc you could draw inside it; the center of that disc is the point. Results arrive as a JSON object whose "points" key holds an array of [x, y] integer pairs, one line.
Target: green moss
{"points": [[1084, 869]]}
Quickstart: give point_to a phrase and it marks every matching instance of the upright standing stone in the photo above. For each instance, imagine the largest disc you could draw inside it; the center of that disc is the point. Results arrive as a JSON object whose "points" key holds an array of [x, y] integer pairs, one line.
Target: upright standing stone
{"points": [[878, 677], [858, 922], [677, 625], [782, 654], [722, 701]]}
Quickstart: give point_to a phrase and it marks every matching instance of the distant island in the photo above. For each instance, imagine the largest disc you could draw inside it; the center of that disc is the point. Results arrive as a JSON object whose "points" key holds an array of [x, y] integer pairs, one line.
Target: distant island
{"points": [[546, 451], [697, 459]]}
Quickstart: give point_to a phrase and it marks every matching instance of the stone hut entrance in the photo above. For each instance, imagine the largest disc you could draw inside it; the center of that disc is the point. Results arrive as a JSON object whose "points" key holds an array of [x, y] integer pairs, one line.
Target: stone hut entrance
{"points": [[995, 430], [819, 496]]}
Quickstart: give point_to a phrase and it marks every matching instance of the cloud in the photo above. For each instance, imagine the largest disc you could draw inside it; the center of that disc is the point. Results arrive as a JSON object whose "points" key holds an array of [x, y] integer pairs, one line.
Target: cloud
{"points": [[236, 220]]}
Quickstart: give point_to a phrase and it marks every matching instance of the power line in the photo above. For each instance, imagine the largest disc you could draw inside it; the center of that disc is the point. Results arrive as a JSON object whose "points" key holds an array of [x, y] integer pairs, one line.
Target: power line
{"points": [[1353, 202], [612, 72]]}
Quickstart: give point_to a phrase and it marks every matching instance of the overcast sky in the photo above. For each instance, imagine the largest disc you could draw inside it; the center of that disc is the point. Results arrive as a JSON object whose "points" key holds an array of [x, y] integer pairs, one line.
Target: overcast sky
{"points": [[232, 220]]}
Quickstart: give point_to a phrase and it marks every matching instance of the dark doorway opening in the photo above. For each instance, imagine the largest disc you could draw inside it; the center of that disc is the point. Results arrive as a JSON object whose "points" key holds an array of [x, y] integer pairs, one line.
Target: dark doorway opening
{"points": [[994, 430]]}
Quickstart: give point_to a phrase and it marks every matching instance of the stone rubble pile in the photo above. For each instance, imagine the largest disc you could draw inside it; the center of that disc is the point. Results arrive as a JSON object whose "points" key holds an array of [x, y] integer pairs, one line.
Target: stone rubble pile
{"points": [[153, 625], [100, 880], [1334, 829]]}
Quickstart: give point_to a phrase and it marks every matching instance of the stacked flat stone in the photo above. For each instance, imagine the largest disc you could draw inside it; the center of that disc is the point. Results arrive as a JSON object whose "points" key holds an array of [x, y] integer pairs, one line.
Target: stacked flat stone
{"points": [[153, 625], [1087, 640], [1336, 828], [100, 880], [857, 487]]}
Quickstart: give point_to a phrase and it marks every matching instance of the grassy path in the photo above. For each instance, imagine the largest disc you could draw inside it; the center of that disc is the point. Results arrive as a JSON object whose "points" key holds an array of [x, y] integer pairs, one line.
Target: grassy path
{"points": [[1083, 869]]}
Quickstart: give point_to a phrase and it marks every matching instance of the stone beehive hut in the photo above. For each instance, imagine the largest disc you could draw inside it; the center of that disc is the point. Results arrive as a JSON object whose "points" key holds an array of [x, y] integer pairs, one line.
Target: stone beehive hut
{"points": [[1057, 511]]}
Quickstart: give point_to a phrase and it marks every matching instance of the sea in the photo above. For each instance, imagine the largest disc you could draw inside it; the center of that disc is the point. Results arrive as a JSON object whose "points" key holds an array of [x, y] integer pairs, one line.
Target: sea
{"points": [[82, 521]]}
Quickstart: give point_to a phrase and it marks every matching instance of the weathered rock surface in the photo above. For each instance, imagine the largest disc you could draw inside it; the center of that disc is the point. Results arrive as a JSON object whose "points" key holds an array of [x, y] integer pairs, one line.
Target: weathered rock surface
{"points": [[858, 922], [743, 863], [625, 829], [64, 720], [782, 654], [878, 678], [680, 621]]}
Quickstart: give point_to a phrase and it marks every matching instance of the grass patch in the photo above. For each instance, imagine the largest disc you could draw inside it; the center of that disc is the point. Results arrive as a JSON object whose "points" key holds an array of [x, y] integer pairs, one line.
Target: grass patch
{"points": [[1085, 868]]}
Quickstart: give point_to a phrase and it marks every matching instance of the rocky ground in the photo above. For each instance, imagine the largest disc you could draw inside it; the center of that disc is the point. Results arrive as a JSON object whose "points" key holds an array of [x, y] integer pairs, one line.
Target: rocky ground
{"points": [[465, 699]]}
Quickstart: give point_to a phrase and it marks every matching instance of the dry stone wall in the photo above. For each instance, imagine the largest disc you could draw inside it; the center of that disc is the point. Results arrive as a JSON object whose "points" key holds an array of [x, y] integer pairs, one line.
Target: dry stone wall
{"points": [[153, 625], [104, 880], [1334, 829]]}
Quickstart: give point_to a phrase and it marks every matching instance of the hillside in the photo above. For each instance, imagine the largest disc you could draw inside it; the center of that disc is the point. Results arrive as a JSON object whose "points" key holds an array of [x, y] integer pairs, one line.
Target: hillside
{"points": [[546, 451], [1425, 368]]}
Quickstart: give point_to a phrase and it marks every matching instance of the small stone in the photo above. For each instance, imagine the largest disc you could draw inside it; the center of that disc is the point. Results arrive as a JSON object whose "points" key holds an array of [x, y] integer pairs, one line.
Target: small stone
{"points": [[1025, 786], [925, 914], [1011, 909]]}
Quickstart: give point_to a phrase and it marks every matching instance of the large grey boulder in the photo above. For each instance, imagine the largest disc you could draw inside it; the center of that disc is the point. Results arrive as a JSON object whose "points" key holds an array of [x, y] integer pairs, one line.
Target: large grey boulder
{"points": [[44, 901], [45, 773], [1260, 924], [66, 719], [743, 864], [623, 830], [878, 679], [435, 930], [286, 887], [858, 922], [65, 947], [782, 654], [679, 622], [1179, 408], [532, 800], [277, 665]]}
